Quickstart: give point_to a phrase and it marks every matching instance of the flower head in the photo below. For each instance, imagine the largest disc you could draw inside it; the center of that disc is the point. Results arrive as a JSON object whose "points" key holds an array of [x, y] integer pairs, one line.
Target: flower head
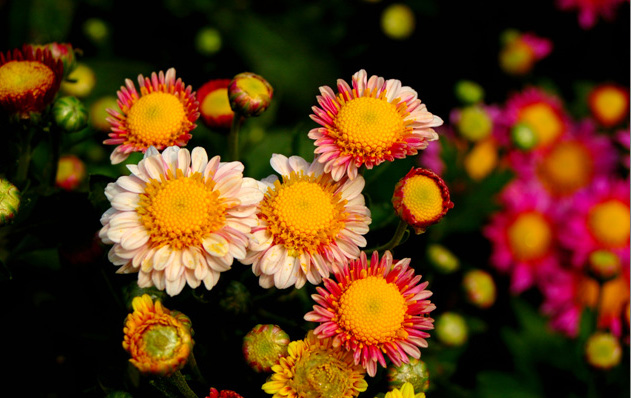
{"points": [[29, 80], [603, 350], [376, 309], [214, 105], [589, 10], [158, 340], [264, 345], [179, 218], [316, 368], [521, 51], [214, 393], [249, 94], [162, 115], [414, 373], [80, 82], [406, 391], [307, 223], [421, 199], [452, 329], [70, 172], [372, 121], [609, 104], [64, 52], [9, 201]]}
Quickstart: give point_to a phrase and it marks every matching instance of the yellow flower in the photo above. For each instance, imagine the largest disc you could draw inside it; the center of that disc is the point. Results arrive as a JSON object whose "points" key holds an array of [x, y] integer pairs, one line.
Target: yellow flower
{"points": [[406, 391]]}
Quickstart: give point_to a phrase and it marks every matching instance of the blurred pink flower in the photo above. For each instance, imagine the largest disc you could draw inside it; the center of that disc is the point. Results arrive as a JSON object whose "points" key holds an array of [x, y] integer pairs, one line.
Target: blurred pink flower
{"points": [[590, 10]]}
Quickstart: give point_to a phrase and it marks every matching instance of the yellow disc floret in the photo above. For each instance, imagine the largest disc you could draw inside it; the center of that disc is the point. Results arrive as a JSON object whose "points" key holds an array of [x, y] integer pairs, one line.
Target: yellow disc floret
{"points": [[303, 213], [529, 236], [566, 168], [181, 211], [609, 223], [423, 198], [156, 119], [369, 126], [373, 311], [544, 121], [19, 78]]}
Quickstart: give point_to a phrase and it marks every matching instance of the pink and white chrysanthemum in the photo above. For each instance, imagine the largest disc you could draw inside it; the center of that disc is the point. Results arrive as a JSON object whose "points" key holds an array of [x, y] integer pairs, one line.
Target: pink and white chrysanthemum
{"points": [[598, 220], [375, 308], [369, 122], [571, 163], [590, 10], [523, 235], [162, 115], [179, 218], [307, 224]]}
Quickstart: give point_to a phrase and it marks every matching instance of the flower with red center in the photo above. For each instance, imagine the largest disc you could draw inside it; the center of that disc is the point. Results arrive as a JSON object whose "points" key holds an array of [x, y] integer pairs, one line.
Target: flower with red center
{"points": [[214, 105], [542, 112], [29, 80], [590, 10], [521, 51], [376, 309], [179, 218], [568, 292], [316, 367], [307, 224], [372, 121], [598, 219], [421, 199], [214, 393], [523, 235], [162, 115], [569, 164], [609, 104], [158, 340]]}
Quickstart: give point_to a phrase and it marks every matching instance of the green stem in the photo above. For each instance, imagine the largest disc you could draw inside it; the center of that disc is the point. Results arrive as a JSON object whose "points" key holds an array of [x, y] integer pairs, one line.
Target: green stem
{"points": [[394, 242], [233, 137], [179, 381], [192, 363]]}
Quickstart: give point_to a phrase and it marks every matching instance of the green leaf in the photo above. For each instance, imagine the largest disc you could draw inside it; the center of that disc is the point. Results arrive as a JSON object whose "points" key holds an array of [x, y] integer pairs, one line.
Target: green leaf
{"points": [[494, 384]]}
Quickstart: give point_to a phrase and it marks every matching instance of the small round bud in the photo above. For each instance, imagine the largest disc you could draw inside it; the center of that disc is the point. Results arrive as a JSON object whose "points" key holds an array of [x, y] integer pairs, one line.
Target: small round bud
{"points": [[398, 21], [70, 172], [70, 114], [236, 299], [443, 260], [263, 346], [479, 288], [9, 201], [474, 123], [469, 92], [523, 137], [96, 30], [451, 329], [604, 265], [80, 82], [98, 112], [249, 94], [603, 350], [482, 159], [208, 41], [414, 373]]}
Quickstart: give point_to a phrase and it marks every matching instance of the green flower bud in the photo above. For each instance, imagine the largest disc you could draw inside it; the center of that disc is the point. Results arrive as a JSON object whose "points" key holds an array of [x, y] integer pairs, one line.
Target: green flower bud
{"points": [[208, 41], [475, 123], [70, 114], [523, 137], [96, 30], [263, 346], [442, 259], [249, 94], [414, 373], [469, 92], [398, 21], [479, 288], [603, 350], [604, 265], [9, 201], [451, 329]]}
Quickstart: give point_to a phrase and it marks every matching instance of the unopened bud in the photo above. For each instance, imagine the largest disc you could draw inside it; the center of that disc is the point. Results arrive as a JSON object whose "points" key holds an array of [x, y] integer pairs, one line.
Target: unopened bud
{"points": [[603, 350], [398, 21], [70, 172], [523, 136], [469, 92], [604, 265], [70, 114], [479, 288], [263, 346], [414, 373], [80, 82], [236, 298], [249, 94], [442, 259], [451, 329], [9, 201]]}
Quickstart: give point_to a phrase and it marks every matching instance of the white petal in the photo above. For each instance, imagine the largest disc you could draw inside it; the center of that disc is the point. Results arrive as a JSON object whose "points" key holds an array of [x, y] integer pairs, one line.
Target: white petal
{"points": [[199, 159], [280, 164], [271, 260], [162, 257], [211, 279], [298, 164], [131, 183], [134, 238], [216, 245], [353, 188]]}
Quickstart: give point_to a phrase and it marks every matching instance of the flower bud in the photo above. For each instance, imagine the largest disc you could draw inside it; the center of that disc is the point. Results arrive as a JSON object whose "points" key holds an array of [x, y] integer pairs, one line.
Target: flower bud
{"points": [[523, 137], [263, 346], [474, 123], [65, 53], [451, 329], [469, 92], [609, 104], [443, 260], [603, 264], [70, 114], [9, 201], [481, 159], [249, 94], [414, 373], [98, 112], [80, 82], [70, 172], [479, 288], [603, 350], [398, 21], [208, 41], [96, 30]]}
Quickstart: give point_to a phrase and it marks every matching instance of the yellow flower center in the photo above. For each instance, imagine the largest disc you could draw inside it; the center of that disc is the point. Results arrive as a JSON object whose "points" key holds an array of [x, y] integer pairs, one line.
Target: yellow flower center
{"points": [[529, 236], [609, 223], [369, 126], [156, 119], [181, 212], [566, 168], [318, 373], [253, 87], [303, 213], [422, 197], [544, 121], [216, 103], [17, 78], [160, 341], [373, 311], [610, 103]]}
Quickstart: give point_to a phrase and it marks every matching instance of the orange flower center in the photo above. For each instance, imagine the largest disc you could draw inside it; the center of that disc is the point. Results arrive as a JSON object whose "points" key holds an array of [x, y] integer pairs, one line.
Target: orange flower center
{"points": [[544, 121], [373, 311], [18, 78], [303, 213], [181, 212], [156, 119], [482, 159], [566, 168], [609, 223], [216, 103], [369, 126], [423, 198], [529, 236]]}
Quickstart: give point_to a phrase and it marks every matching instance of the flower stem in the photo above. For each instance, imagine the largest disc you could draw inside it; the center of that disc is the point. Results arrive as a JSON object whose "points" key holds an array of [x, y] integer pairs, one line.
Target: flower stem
{"points": [[179, 381], [233, 137], [396, 238]]}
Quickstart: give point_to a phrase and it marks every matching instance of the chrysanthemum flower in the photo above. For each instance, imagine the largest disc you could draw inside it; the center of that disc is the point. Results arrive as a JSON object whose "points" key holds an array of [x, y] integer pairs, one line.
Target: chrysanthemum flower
{"points": [[421, 199], [521, 51], [29, 80], [406, 391], [214, 393], [179, 218], [158, 340], [542, 112], [590, 10], [609, 104], [376, 309], [162, 115], [214, 105], [570, 164], [523, 235], [599, 219], [372, 121], [307, 223], [316, 368]]}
